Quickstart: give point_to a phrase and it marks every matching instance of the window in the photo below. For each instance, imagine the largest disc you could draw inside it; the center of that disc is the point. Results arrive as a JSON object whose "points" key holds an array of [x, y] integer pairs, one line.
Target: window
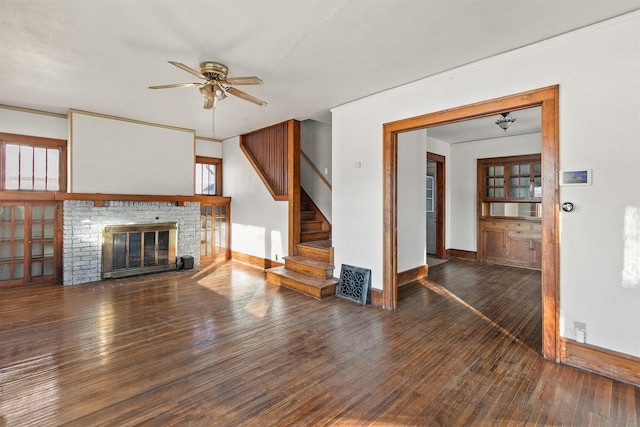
{"points": [[430, 199], [208, 176], [30, 163]]}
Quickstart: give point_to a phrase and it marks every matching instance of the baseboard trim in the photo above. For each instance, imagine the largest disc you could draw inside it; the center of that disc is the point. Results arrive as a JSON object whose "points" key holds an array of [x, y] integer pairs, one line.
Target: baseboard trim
{"points": [[404, 278], [376, 297], [460, 254], [609, 363], [254, 261], [408, 276]]}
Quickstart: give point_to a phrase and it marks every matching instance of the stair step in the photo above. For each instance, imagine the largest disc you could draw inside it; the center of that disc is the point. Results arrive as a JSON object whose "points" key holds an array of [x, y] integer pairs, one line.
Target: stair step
{"points": [[310, 225], [307, 215], [312, 286], [309, 266], [319, 249], [307, 236]]}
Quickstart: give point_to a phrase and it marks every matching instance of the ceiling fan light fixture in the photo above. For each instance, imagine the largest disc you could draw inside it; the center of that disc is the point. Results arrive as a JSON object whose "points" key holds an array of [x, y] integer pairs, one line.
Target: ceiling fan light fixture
{"points": [[216, 85], [505, 121]]}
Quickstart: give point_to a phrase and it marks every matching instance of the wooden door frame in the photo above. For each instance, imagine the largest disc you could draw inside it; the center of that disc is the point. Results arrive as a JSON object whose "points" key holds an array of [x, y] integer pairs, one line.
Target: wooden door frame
{"points": [[547, 99], [440, 203]]}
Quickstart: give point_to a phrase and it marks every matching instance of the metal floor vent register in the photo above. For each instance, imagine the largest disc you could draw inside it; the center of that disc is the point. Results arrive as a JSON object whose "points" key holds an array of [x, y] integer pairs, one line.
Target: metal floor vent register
{"points": [[354, 284]]}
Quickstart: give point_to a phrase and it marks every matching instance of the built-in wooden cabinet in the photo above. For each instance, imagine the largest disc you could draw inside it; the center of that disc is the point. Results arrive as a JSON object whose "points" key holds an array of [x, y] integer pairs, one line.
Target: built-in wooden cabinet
{"points": [[511, 242], [509, 209], [214, 229]]}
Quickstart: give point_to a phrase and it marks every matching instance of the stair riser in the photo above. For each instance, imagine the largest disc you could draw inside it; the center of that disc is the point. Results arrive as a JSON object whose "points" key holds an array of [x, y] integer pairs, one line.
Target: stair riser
{"points": [[310, 270], [321, 254], [307, 216], [316, 235], [310, 226], [301, 287]]}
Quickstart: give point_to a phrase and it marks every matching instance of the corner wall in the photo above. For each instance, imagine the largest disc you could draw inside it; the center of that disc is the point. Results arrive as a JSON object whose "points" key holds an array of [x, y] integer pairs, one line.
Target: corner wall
{"points": [[259, 224]]}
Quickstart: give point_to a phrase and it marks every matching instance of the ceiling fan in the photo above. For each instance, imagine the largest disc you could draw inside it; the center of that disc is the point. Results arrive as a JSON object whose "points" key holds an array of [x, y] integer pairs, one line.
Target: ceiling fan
{"points": [[216, 84]]}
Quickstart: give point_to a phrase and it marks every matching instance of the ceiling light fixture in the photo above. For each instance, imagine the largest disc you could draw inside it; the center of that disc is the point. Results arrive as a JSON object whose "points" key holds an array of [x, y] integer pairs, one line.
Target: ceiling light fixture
{"points": [[505, 121]]}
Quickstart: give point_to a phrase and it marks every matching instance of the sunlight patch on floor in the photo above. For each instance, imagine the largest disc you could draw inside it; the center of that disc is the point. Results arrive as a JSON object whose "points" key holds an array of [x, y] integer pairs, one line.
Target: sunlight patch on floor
{"points": [[445, 293]]}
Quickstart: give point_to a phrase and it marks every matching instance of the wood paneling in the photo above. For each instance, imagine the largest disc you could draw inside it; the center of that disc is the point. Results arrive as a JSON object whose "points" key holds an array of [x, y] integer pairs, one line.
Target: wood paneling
{"points": [[217, 346], [267, 151]]}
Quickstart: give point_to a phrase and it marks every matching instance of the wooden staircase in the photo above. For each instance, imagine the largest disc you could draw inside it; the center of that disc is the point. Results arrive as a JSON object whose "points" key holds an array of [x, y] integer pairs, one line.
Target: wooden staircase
{"points": [[313, 225], [311, 270]]}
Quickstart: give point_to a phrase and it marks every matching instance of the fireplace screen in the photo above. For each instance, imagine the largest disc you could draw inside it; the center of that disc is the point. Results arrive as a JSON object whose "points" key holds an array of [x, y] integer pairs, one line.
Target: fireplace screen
{"points": [[138, 248]]}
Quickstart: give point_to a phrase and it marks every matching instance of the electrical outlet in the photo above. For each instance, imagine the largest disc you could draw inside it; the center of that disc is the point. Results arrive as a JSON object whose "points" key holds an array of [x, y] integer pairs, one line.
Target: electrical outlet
{"points": [[276, 257], [580, 330]]}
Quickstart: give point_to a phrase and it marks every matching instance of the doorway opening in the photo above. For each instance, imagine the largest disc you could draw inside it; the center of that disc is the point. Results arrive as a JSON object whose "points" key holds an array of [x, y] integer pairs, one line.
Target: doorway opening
{"points": [[435, 184], [547, 100]]}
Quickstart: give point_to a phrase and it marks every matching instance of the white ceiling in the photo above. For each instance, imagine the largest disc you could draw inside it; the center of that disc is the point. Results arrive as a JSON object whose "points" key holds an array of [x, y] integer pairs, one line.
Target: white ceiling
{"points": [[102, 55], [527, 122]]}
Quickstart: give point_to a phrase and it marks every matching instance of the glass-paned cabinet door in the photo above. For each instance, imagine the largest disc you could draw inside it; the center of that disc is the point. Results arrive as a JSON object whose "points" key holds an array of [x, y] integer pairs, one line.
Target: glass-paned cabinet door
{"points": [[494, 185], [206, 231], [519, 180], [213, 230], [27, 244]]}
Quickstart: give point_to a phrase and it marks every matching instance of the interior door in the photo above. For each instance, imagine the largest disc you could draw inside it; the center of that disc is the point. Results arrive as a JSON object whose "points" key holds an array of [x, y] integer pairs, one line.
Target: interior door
{"points": [[431, 185]]}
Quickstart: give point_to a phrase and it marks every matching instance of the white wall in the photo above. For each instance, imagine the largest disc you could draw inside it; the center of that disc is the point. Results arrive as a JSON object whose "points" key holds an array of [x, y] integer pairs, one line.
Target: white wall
{"points": [[412, 204], [115, 156], [259, 224], [315, 142], [443, 149], [462, 213], [598, 70], [33, 124], [208, 148]]}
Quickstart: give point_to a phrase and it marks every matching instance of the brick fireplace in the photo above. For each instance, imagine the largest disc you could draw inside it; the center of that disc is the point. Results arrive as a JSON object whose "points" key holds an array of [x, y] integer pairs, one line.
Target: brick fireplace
{"points": [[84, 224]]}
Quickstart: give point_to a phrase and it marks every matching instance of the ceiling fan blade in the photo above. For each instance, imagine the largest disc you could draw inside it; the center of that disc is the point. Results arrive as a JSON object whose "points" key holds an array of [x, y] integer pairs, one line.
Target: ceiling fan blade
{"points": [[188, 69], [253, 80], [174, 85], [243, 95]]}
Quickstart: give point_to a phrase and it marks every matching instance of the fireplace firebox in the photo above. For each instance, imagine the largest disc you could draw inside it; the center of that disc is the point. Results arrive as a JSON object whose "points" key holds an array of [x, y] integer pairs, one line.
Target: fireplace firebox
{"points": [[133, 249]]}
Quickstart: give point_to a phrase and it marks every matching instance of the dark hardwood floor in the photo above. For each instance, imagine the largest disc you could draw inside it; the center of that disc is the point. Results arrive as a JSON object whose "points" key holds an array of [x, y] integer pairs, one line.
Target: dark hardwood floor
{"points": [[219, 346]]}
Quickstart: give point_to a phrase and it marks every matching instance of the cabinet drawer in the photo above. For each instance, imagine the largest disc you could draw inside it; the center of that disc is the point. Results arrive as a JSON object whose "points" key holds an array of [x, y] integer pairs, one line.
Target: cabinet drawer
{"points": [[519, 225], [523, 234], [494, 225]]}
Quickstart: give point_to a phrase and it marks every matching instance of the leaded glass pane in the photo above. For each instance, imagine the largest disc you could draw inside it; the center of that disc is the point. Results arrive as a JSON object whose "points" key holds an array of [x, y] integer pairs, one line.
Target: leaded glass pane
{"points": [[48, 268], [48, 231], [18, 271], [5, 271], [36, 269], [5, 252], [36, 213], [36, 231], [49, 213]]}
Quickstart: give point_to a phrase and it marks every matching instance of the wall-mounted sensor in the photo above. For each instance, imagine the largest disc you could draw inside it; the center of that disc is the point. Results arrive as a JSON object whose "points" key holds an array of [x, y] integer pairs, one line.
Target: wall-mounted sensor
{"points": [[567, 206]]}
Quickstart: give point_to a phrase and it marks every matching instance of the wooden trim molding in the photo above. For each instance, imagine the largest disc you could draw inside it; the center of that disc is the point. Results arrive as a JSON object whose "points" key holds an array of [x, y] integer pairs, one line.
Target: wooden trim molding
{"points": [[293, 185], [376, 297], [547, 98], [254, 261], [461, 254], [101, 198], [411, 275], [619, 366]]}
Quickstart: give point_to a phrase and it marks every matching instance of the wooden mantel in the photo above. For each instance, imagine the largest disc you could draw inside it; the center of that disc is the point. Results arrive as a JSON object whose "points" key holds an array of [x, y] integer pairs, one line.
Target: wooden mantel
{"points": [[99, 199]]}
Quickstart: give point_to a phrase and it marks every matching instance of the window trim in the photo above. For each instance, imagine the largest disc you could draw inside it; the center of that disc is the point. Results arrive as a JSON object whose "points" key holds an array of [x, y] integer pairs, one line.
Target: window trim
{"points": [[35, 142], [209, 161]]}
